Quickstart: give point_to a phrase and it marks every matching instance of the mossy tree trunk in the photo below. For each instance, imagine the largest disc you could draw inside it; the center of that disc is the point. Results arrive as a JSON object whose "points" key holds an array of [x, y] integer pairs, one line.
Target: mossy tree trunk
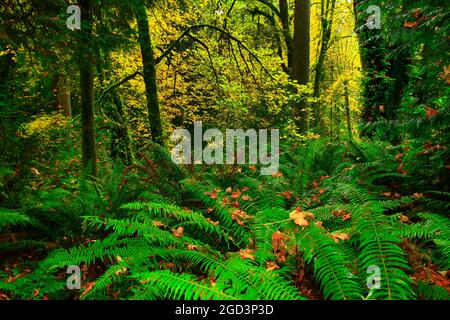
{"points": [[150, 77], [86, 62]]}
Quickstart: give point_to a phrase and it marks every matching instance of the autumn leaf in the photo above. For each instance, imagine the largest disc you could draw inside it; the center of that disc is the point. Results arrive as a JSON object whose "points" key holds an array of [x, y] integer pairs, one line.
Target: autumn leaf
{"points": [[319, 224], [340, 236], [446, 74], [410, 24], [300, 218], [417, 13], [212, 222], [192, 247], [179, 232], [347, 217], [281, 256], [417, 195], [404, 219], [236, 195], [87, 287], [247, 254], [235, 204], [287, 194], [431, 113], [158, 223], [271, 266], [277, 174], [278, 241], [239, 216], [213, 194], [35, 171], [121, 271]]}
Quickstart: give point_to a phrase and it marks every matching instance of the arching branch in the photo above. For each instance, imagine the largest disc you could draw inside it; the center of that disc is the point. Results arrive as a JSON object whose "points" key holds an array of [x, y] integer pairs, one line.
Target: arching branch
{"points": [[227, 34], [118, 84]]}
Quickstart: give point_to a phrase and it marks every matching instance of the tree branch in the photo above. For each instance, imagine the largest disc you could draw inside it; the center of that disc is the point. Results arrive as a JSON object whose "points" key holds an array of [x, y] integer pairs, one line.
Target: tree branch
{"points": [[118, 84], [230, 37]]}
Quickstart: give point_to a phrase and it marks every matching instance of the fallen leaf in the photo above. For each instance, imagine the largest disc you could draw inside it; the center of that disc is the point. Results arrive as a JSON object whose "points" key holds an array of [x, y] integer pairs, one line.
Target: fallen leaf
{"points": [[192, 247], [121, 271], [340, 236], [158, 224], [287, 194], [179, 232], [410, 24], [446, 74], [278, 241], [281, 256], [247, 254], [431, 113], [319, 224], [271, 265], [277, 175], [213, 194], [404, 219], [236, 195], [35, 171], [239, 216], [212, 222], [87, 287], [417, 13], [299, 217]]}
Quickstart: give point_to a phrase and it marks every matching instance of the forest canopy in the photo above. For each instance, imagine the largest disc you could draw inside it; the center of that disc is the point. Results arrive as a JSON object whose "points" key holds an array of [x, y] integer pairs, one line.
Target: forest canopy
{"points": [[224, 149]]}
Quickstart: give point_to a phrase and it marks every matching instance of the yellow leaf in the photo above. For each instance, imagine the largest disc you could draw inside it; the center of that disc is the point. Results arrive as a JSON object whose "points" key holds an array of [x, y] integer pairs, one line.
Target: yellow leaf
{"points": [[340, 236], [300, 218], [246, 254]]}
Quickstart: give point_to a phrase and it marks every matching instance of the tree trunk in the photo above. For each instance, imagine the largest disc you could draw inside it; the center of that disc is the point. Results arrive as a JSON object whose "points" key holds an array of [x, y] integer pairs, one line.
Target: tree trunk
{"points": [[376, 84], [64, 103], [301, 58], [347, 110], [286, 30], [148, 61], [327, 13], [87, 92]]}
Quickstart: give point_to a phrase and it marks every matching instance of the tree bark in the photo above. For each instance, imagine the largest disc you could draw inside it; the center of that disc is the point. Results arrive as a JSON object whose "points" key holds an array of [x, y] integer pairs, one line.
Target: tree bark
{"points": [[327, 13], [286, 30], [150, 77], [87, 92], [301, 55], [347, 110]]}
